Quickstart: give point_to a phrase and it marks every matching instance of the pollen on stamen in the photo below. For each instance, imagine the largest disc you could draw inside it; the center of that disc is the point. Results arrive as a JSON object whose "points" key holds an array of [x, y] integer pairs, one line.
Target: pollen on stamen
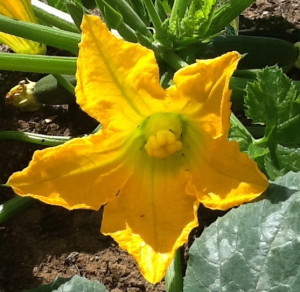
{"points": [[163, 144], [163, 133]]}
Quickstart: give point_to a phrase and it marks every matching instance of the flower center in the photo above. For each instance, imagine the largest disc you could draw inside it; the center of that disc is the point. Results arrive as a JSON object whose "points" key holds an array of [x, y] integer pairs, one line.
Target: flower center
{"points": [[163, 133]]}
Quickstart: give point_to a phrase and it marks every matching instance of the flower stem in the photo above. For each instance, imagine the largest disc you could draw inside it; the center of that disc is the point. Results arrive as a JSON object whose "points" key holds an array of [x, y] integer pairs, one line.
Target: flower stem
{"points": [[53, 16], [153, 14], [54, 37], [34, 138], [115, 20], [38, 63], [178, 10], [236, 122], [173, 278], [13, 207], [130, 17], [173, 60], [77, 11], [65, 83]]}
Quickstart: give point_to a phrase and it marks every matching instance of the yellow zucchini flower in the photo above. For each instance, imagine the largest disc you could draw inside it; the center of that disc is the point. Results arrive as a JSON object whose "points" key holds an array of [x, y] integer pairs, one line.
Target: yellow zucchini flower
{"points": [[160, 154], [20, 10]]}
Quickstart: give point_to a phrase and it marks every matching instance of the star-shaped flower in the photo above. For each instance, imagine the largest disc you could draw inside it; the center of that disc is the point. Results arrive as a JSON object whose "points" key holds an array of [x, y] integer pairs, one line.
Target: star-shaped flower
{"points": [[160, 152]]}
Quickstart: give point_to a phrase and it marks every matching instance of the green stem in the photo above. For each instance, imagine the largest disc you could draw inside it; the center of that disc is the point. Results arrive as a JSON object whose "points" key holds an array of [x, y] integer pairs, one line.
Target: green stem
{"points": [[65, 83], [178, 10], [173, 60], [236, 122], [153, 14], [127, 33], [53, 16], [34, 138], [50, 36], [97, 129], [114, 20], [76, 10], [173, 277], [13, 207], [130, 17], [38, 63]]}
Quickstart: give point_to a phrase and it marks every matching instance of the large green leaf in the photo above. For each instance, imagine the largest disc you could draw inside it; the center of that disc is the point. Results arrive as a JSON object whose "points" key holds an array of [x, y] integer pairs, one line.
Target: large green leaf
{"points": [[74, 284], [273, 100], [252, 248]]}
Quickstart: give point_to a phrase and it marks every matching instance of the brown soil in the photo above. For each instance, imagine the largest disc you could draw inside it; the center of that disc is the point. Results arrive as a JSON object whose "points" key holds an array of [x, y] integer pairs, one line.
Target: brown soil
{"points": [[266, 9], [44, 242]]}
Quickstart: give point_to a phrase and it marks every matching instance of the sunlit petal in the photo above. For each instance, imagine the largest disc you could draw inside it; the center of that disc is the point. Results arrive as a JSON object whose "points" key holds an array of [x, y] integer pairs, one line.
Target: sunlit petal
{"points": [[152, 215], [201, 91], [223, 177], [83, 173], [118, 82]]}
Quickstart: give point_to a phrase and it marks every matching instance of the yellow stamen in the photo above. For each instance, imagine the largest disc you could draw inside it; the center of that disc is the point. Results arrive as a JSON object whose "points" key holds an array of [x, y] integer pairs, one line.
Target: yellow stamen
{"points": [[163, 132]]}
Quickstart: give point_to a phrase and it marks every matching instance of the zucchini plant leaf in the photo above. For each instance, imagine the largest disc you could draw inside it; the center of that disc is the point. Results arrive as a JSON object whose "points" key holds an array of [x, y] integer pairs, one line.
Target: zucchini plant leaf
{"points": [[254, 247], [75, 283], [288, 160], [272, 100], [228, 10]]}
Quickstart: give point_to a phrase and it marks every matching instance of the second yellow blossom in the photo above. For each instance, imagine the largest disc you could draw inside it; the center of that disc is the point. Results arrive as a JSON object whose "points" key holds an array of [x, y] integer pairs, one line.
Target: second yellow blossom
{"points": [[20, 10]]}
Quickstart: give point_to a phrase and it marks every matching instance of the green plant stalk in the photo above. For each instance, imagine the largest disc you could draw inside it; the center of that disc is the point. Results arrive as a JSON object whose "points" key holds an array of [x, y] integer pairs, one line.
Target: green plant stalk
{"points": [[178, 10], [97, 129], [171, 58], [38, 63], [76, 10], [54, 37], [34, 138], [130, 17], [162, 9], [13, 207], [57, 3], [115, 20], [236, 122], [153, 14], [65, 83], [127, 33], [173, 277], [53, 16]]}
